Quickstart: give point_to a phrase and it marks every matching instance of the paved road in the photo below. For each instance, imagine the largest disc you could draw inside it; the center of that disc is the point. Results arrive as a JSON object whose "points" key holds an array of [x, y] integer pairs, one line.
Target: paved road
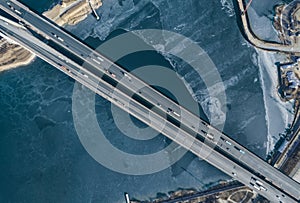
{"points": [[225, 145], [253, 39]]}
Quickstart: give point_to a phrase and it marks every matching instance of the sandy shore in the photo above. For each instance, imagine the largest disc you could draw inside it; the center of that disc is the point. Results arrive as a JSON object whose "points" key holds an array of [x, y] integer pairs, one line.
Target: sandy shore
{"points": [[13, 55], [71, 12]]}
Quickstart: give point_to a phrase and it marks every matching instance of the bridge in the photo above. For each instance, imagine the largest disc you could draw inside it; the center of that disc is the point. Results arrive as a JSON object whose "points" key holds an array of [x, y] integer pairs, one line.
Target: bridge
{"points": [[194, 134]]}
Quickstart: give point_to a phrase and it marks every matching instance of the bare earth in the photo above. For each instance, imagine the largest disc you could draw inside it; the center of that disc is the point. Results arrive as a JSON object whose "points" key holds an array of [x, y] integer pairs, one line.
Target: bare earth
{"points": [[13, 55], [72, 12], [69, 12]]}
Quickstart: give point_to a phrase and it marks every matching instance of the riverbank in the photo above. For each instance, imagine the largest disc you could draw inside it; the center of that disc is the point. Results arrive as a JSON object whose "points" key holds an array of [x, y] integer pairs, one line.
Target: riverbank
{"points": [[13, 55], [231, 191], [71, 12], [279, 113]]}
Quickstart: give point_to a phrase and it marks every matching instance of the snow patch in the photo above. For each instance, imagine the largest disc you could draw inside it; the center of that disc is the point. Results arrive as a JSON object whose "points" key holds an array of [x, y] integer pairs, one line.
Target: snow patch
{"points": [[228, 7], [278, 114]]}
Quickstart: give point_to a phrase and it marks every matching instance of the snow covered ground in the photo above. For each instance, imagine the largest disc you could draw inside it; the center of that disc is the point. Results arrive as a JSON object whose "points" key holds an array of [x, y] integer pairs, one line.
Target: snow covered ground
{"points": [[278, 113]]}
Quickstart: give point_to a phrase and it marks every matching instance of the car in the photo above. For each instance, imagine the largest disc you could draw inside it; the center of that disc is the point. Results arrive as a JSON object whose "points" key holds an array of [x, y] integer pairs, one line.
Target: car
{"points": [[22, 23], [256, 187], [263, 188], [169, 110], [100, 59], [210, 136], [176, 114], [204, 123], [258, 182], [96, 61], [61, 39], [228, 142], [18, 12], [110, 73], [126, 75]]}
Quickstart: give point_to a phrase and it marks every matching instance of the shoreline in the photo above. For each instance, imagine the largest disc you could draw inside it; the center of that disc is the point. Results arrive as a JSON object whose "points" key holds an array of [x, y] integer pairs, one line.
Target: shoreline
{"points": [[72, 12], [278, 114], [222, 192], [13, 55], [29, 60]]}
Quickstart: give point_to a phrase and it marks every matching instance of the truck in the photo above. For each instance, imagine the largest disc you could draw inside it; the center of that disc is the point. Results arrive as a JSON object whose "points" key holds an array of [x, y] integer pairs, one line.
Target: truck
{"points": [[259, 183]]}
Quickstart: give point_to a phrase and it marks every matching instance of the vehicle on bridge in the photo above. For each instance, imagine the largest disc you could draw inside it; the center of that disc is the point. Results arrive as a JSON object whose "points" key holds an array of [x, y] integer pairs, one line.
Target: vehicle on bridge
{"points": [[257, 184]]}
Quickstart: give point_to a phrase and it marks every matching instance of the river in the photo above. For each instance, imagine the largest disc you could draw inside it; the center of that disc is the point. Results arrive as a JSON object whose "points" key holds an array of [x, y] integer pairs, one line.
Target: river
{"points": [[42, 159]]}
